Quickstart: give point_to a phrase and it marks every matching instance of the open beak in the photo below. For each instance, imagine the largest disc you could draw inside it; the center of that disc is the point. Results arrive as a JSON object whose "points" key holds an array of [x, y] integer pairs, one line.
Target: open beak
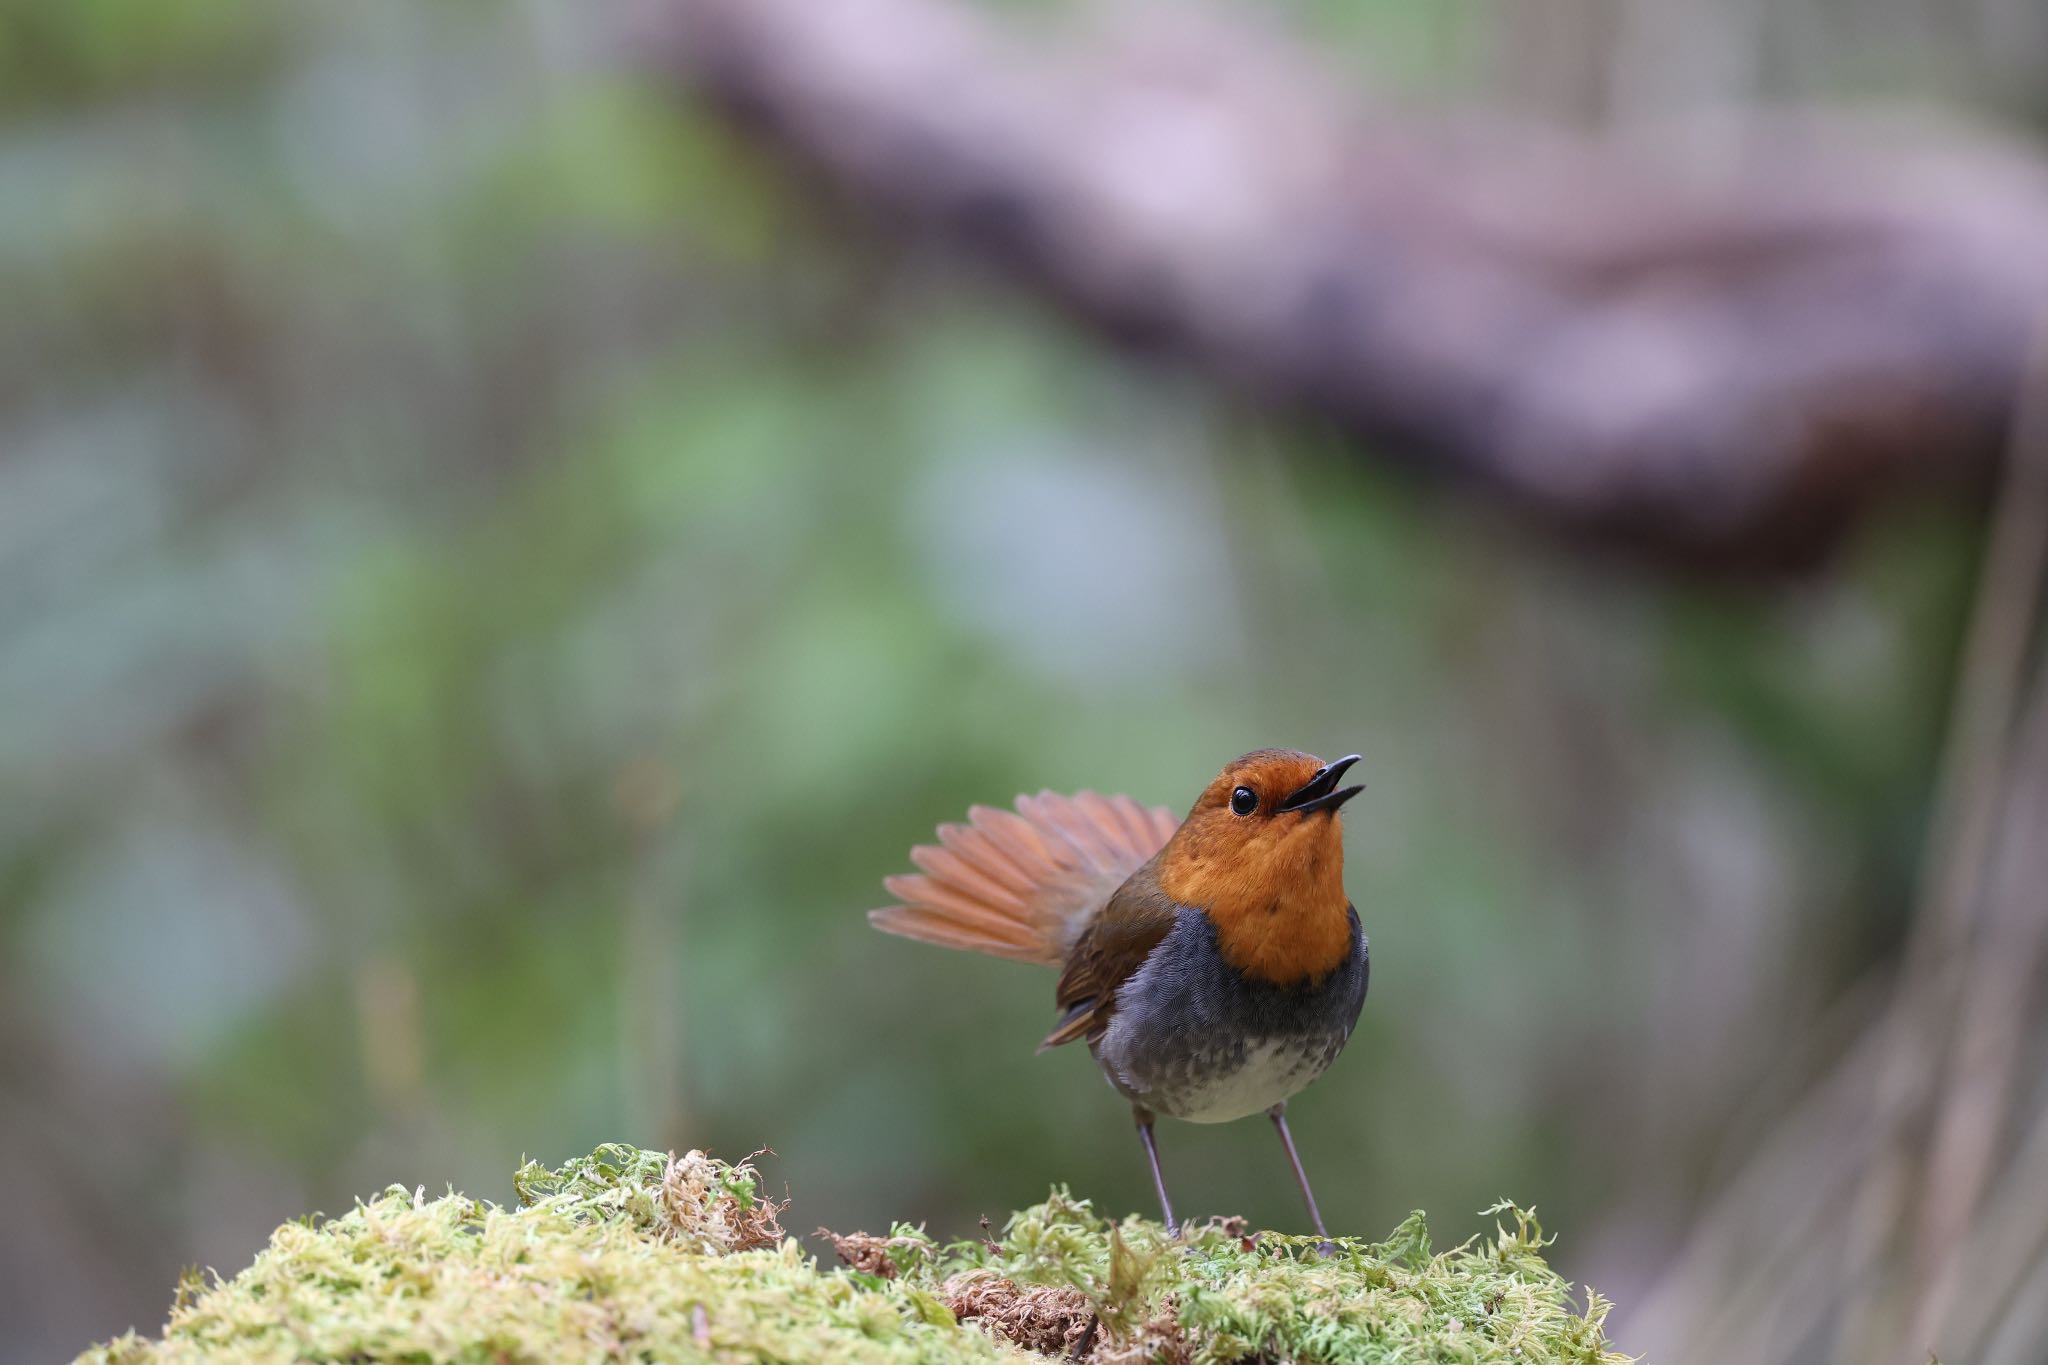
{"points": [[1321, 792]]}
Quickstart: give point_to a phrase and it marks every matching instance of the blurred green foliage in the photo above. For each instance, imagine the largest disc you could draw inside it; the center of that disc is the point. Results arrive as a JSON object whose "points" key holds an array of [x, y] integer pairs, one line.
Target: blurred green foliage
{"points": [[496, 572]]}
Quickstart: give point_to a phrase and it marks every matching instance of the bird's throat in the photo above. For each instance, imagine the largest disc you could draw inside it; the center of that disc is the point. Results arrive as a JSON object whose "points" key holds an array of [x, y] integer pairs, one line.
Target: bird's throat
{"points": [[1278, 903]]}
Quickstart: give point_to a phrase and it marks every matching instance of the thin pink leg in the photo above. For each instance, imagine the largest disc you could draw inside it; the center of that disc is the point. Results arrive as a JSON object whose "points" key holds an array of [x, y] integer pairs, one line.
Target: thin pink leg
{"points": [[1144, 1118], [1278, 1113]]}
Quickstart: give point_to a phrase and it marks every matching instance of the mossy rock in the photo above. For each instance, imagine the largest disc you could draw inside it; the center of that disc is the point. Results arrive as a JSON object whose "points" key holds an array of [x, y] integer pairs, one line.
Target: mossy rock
{"points": [[635, 1255]]}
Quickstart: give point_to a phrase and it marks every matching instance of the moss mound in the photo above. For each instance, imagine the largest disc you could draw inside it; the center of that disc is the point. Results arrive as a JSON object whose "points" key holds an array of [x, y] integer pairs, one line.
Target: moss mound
{"points": [[635, 1255]]}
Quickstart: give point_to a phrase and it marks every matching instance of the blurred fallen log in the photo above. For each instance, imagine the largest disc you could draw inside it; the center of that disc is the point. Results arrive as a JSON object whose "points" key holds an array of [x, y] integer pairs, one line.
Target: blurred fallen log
{"points": [[1719, 364]]}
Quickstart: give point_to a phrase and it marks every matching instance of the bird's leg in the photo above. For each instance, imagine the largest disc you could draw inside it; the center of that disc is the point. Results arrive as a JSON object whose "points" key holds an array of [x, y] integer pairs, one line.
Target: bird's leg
{"points": [[1278, 1113], [1144, 1118]]}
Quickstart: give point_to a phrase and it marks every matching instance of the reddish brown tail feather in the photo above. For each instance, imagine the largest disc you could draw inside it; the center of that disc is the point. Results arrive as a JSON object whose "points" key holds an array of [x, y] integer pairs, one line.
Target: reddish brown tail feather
{"points": [[1023, 884]]}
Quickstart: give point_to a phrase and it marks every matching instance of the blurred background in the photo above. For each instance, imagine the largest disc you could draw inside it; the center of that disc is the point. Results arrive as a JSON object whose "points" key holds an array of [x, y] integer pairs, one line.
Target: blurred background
{"points": [[497, 563]]}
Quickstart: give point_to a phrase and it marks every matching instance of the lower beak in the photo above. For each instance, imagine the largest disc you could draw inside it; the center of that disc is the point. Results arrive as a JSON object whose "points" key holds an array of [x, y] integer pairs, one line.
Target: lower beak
{"points": [[1321, 792]]}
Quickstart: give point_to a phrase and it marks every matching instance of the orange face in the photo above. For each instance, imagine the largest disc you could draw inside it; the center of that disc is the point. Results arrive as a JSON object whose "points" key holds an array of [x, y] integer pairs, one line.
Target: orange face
{"points": [[1261, 853]]}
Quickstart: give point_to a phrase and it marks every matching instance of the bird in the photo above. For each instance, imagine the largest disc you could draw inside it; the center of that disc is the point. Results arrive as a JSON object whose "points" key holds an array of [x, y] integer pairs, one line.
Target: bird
{"points": [[1213, 965]]}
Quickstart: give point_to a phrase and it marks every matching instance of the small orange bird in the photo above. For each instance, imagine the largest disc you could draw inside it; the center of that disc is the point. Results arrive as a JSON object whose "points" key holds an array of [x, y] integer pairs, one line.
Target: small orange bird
{"points": [[1215, 967]]}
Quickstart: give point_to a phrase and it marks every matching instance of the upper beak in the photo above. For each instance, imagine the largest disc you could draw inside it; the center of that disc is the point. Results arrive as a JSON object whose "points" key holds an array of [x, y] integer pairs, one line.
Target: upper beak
{"points": [[1321, 792]]}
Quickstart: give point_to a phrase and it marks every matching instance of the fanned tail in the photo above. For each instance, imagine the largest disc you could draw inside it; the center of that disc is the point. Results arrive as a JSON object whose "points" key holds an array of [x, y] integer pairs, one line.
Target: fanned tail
{"points": [[1022, 884]]}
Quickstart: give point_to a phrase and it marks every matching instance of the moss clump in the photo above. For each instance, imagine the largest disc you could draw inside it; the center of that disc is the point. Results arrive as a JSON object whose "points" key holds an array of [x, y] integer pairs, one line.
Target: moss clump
{"points": [[633, 1255]]}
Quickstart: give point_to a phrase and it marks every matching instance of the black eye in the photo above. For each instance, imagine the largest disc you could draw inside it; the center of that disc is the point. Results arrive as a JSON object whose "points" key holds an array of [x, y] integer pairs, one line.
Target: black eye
{"points": [[1244, 800]]}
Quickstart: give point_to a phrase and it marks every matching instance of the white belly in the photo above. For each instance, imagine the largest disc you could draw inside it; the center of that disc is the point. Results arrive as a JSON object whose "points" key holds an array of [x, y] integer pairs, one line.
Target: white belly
{"points": [[1272, 1071]]}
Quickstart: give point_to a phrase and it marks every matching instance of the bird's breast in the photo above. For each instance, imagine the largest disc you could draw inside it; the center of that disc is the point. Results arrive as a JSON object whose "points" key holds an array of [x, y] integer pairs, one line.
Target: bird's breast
{"points": [[1195, 1039]]}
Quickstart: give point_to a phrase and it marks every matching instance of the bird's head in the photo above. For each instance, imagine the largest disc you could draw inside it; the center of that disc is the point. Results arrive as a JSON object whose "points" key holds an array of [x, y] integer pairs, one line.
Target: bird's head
{"points": [[1262, 855]]}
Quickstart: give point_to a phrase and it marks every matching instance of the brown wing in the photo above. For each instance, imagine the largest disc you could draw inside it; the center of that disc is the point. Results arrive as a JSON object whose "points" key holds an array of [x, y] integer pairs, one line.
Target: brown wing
{"points": [[1113, 946], [1024, 884]]}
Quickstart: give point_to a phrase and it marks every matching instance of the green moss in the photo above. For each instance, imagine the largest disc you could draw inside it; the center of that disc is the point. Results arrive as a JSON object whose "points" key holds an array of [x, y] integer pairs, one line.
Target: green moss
{"points": [[630, 1255]]}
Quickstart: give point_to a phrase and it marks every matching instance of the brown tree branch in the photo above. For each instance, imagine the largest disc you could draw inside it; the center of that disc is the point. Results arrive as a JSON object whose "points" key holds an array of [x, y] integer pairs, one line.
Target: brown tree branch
{"points": [[1718, 365]]}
